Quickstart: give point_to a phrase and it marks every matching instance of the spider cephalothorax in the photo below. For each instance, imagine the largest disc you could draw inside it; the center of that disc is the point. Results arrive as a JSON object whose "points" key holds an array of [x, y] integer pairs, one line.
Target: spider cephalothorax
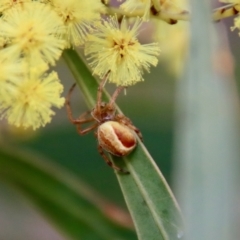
{"points": [[115, 132]]}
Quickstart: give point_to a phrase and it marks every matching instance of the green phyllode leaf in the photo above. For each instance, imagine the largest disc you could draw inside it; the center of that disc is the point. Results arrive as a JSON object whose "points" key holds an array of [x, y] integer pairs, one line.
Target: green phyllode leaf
{"points": [[154, 210]]}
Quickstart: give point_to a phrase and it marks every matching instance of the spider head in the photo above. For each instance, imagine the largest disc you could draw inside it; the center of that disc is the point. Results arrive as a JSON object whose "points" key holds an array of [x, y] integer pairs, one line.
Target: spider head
{"points": [[105, 113]]}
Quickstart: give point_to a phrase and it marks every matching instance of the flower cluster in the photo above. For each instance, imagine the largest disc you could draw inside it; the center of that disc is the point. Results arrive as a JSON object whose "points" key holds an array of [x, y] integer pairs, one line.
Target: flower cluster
{"points": [[114, 50], [33, 35]]}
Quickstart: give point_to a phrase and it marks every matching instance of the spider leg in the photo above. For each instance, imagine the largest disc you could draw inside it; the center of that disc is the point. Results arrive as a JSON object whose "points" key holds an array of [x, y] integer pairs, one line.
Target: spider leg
{"points": [[86, 130], [99, 93], [115, 95], [107, 160], [82, 119], [137, 131]]}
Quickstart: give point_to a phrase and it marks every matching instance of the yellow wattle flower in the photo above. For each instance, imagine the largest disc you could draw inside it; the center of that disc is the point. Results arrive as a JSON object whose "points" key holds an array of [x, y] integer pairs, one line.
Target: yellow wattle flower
{"points": [[77, 16], [31, 102], [114, 50], [33, 30]]}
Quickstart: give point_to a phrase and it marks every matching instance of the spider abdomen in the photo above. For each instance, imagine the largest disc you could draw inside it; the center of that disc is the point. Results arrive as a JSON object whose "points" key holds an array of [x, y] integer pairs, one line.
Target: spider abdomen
{"points": [[116, 138]]}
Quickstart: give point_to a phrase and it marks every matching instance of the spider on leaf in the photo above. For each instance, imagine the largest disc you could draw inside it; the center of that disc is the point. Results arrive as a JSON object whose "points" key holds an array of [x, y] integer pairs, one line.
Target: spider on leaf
{"points": [[115, 132]]}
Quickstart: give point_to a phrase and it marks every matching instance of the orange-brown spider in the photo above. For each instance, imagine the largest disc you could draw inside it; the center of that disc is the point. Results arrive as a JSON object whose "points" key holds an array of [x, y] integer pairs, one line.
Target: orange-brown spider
{"points": [[115, 132]]}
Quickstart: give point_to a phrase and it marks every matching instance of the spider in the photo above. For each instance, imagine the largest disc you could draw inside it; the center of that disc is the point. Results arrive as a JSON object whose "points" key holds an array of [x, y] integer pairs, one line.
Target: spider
{"points": [[115, 132]]}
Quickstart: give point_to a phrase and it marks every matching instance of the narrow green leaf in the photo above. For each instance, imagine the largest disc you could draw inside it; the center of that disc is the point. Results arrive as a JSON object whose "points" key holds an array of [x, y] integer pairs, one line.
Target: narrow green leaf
{"points": [[154, 210], [64, 199]]}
